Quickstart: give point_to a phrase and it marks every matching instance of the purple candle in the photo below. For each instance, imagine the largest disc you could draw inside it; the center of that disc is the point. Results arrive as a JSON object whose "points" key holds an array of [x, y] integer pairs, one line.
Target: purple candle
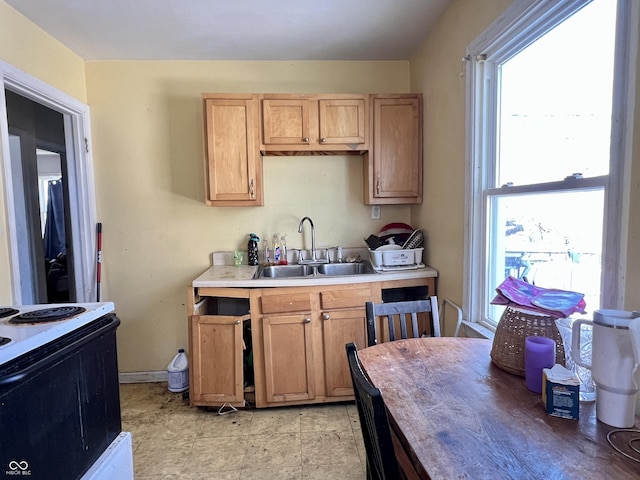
{"points": [[539, 353]]}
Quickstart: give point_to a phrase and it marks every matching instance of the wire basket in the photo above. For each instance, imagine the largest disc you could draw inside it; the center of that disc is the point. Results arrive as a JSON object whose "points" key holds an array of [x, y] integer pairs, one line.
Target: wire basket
{"points": [[507, 351]]}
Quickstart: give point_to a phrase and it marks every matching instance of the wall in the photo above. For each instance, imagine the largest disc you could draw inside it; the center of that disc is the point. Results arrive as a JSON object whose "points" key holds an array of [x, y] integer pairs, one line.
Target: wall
{"points": [[148, 155], [435, 70], [28, 48]]}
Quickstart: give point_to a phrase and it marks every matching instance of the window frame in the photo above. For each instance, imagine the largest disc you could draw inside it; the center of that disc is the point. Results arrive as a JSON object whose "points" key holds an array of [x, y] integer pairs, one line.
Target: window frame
{"points": [[522, 24]]}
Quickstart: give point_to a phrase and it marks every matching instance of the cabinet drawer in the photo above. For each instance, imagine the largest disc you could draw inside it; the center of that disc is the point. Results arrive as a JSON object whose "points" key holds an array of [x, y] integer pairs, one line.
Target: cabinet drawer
{"points": [[345, 298], [293, 302]]}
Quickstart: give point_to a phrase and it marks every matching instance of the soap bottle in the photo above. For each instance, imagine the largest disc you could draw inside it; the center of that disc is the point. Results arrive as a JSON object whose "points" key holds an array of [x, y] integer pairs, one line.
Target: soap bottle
{"points": [[277, 251], [252, 249], [283, 248], [267, 253]]}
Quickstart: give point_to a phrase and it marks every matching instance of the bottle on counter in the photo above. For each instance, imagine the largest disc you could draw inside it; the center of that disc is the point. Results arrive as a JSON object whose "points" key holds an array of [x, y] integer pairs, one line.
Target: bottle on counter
{"points": [[283, 250], [277, 251], [252, 249], [267, 252]]}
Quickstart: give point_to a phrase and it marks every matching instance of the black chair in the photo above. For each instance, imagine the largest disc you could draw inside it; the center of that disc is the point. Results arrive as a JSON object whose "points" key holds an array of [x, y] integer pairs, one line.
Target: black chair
{"points": [[381, 459], [402, 310]]}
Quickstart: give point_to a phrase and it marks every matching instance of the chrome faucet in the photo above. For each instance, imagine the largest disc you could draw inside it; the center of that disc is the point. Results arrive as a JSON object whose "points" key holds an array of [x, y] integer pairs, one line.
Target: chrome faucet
{"points": [[313, 237]]}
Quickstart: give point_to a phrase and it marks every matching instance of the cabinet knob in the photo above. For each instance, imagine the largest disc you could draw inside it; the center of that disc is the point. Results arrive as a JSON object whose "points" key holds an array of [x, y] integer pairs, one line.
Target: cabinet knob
{"points": [[307, 320], [237, 322], [305, 139], [326, 316], [323, 140]]}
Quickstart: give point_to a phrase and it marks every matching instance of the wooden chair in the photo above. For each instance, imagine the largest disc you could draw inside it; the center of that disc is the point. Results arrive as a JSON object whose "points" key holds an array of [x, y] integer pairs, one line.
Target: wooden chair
{"points": [[402, 310], [381, 459]]}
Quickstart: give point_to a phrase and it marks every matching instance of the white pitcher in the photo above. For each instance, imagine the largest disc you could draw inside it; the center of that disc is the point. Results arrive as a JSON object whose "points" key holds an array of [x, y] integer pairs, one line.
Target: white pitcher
{"points": [[613, 365]]}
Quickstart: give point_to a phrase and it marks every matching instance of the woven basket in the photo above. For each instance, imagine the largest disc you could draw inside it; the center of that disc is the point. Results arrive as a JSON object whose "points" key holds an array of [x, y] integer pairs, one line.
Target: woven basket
{"points": [[515, 325]]}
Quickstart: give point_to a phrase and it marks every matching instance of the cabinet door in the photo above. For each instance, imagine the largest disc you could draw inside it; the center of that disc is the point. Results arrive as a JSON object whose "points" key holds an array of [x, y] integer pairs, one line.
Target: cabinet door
{"points": [[394, 167], [216, 353], [286, 121], [343, 121], [288, 357], [233, 161], [339, 328]]}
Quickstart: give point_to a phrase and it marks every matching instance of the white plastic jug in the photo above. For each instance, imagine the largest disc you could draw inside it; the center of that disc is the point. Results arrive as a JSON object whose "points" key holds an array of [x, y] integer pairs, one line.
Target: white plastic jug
{"points": [[178, 371]]}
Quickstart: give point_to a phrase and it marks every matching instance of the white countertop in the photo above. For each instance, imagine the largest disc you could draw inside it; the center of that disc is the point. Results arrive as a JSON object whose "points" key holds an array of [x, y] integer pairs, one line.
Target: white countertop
{"points": [[242, 277]]}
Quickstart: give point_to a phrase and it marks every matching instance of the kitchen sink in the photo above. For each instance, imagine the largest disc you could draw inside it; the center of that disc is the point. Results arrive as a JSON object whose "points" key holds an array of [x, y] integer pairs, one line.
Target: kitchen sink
{"points": [[315, 271], [334, 269], [286, 271]]}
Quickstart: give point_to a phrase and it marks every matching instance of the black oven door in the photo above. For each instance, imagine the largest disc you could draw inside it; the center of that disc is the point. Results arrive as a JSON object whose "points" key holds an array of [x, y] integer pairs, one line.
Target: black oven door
{"points": [[60, 404]]}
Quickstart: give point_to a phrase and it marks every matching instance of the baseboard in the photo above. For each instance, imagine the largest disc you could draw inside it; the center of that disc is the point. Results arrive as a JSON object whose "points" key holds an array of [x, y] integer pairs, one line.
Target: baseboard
{"points": [[143, 377]]}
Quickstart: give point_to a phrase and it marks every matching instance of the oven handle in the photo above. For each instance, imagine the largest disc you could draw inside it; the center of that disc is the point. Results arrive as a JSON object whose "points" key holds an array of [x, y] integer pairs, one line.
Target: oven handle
{"points": [[20, 375]]}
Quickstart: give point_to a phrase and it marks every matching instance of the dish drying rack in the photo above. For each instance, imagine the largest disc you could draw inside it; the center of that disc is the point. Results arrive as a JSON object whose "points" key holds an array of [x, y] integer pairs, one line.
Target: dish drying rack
{"points": [[388, 258], [396, 260]]}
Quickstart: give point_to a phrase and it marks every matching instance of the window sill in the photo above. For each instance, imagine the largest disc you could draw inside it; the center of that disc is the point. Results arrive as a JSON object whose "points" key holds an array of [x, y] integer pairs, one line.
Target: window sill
{"points": [[475, 330]]}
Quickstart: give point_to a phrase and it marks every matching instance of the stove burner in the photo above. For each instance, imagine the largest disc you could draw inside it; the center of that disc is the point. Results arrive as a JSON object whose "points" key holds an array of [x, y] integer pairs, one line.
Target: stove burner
{"points": [[4, 341], [8, 311], [44, 315]]}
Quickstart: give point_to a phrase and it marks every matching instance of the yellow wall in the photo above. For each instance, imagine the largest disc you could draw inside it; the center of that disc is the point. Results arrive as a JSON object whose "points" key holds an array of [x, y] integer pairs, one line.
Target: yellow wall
{"points": [[148, 155], [27, 48], [435, 71]]}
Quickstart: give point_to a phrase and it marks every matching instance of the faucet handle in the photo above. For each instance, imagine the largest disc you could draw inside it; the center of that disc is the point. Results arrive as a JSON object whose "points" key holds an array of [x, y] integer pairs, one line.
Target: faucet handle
{"points": [[300, 254], [338, 255]]}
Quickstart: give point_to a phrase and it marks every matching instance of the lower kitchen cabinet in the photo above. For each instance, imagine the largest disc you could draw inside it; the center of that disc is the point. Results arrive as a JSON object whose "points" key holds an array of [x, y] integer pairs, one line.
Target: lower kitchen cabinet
{"points": [[217, 349], [343, 321], [300, 346], [294, 337], [338, 329], [288, 358], [284, 343]]}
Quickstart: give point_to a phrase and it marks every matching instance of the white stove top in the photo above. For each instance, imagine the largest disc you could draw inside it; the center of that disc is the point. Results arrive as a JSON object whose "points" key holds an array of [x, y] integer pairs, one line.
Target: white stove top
{"points": [[27, 337]]}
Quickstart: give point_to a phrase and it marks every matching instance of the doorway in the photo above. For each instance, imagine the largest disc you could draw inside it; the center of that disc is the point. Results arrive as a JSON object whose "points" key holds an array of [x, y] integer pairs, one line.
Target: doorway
{"points": [[48, 192], [38, 165]]}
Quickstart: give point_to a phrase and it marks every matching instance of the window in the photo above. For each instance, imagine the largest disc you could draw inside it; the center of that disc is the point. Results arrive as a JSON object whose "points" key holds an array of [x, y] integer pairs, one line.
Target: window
{"points": [[545, 146]]}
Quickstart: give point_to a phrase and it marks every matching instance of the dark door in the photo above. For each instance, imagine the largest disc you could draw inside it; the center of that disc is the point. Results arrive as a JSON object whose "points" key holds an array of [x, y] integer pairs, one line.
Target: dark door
{"points": [[41, 199]]}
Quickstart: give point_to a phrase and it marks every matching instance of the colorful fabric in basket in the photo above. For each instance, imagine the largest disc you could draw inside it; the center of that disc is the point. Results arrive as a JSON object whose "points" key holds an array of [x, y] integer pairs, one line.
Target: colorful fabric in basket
{"points": [[553, 302]]}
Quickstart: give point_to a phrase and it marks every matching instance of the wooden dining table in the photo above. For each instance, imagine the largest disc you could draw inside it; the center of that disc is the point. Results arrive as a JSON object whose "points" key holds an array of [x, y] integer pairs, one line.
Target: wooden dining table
{"points": [[455, 415]]}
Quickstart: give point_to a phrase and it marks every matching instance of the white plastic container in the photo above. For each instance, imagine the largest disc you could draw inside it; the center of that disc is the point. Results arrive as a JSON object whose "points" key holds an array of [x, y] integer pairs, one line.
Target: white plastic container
{"points": [[178, 371], [394, 258]]}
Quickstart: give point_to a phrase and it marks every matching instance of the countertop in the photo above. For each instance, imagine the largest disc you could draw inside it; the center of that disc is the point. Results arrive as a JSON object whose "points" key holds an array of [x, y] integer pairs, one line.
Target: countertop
{"points": [[224, 274], [242, 277]]}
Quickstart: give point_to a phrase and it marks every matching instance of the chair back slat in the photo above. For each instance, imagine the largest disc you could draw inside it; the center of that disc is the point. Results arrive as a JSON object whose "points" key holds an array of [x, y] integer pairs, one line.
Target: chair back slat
{"points": [[414, 324], [392, 328]]}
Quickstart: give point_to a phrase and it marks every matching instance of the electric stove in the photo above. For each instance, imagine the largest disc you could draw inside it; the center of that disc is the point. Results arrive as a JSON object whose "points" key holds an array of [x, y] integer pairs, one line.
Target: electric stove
{"points": [[59, 393], [24, 328]]}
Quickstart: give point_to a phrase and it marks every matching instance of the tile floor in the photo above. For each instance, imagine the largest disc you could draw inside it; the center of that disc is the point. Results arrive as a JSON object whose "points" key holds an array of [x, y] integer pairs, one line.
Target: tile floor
{"points": [[172, 440]]}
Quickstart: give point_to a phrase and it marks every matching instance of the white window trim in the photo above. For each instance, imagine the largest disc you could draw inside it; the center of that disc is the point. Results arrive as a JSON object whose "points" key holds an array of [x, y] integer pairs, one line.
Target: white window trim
{"points": [[80, 173], [505, 37]]}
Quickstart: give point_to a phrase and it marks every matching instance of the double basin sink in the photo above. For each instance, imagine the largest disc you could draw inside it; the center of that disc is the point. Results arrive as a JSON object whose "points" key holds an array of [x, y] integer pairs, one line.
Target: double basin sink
{"points": [[315, 270]]}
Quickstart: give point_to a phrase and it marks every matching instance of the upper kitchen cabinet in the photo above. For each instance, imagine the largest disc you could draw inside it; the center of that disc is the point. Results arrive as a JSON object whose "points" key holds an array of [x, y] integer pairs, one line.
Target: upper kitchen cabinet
{"points": [[393, 169], [314, 123], [233, 163]]}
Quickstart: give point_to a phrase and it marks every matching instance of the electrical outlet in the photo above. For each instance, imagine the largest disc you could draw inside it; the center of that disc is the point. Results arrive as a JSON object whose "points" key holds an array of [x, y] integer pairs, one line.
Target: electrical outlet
{"points": [[375, 212]]}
